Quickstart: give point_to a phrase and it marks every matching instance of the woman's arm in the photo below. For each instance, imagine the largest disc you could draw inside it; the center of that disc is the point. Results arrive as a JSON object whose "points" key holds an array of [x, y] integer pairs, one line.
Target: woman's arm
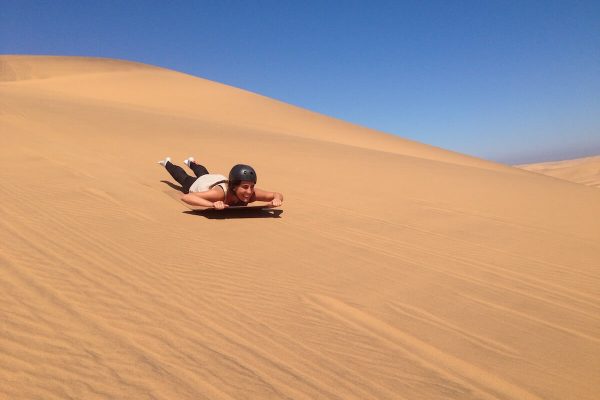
{"points": [[211, 198], [275, 198]]}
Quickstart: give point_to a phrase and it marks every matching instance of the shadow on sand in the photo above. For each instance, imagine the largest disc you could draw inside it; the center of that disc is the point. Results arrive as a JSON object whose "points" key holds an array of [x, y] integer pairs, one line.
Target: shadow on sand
{"points": [[173, 186], [237, 213]]}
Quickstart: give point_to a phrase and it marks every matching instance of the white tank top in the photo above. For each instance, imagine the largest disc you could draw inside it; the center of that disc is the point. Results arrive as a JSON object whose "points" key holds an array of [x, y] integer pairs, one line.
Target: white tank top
{"points": [[206, 182]]}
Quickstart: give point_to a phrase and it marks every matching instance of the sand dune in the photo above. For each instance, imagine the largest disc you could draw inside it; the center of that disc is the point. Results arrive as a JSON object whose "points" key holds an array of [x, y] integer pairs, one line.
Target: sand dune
{"points": [[580, 170], [396, 271]]}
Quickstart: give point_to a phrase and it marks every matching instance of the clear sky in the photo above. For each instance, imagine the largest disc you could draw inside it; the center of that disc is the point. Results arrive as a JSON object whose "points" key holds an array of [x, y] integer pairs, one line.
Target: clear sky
{"points": [[511, 81]]}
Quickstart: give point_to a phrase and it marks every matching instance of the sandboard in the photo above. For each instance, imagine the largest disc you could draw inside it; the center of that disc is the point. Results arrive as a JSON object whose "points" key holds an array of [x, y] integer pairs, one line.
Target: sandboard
{"points": [[253, 207], [251, 211]]}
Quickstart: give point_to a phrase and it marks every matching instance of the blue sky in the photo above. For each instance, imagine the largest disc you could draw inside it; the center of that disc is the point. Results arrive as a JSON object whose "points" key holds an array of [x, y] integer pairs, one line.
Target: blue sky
{"points": [[511, 81]]}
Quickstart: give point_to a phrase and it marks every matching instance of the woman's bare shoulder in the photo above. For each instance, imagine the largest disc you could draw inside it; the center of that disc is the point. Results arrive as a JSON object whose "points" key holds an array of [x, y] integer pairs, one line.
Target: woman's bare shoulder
{"points": [[214, 194]]}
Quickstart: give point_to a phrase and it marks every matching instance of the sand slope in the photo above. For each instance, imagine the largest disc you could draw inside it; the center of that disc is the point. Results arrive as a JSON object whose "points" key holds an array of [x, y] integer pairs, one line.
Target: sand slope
{"points": [[580, 170], [397, 270]]}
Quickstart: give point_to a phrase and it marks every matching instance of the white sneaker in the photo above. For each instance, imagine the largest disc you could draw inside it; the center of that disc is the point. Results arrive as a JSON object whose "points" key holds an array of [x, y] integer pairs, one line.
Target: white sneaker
{"points": [[188, 160], [164, 162]]}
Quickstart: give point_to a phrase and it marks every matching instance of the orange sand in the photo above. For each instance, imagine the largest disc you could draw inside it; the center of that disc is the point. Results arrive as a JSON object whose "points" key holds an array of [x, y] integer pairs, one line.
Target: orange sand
{"points": [[580, 170], [396, 271]]}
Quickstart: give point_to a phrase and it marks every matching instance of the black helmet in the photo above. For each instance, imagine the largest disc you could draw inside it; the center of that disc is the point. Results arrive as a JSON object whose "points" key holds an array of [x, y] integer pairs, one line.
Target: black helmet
{"points": [[240, 173]]}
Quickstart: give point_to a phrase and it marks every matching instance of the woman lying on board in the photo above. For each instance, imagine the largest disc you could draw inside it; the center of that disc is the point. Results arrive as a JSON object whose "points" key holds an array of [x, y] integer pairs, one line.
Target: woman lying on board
{"points": [[214, 190]]}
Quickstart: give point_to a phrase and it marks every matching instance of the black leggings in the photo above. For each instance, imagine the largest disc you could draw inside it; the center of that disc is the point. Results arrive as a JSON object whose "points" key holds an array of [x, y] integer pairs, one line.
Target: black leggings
{"points": [[184, 179]]}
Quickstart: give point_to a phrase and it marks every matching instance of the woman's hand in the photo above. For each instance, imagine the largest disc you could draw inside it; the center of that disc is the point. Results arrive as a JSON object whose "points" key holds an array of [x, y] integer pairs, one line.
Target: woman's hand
{"points": [[219, 205], [277, 201]]}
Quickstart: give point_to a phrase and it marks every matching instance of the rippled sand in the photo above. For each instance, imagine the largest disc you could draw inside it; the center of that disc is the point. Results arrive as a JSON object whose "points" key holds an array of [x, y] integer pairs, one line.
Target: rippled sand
{"points": [[396, 270]]}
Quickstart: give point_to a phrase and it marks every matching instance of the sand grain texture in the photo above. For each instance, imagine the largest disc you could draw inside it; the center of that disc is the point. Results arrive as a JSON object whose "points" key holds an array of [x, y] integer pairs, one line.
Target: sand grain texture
{"points": [[397, 270]]}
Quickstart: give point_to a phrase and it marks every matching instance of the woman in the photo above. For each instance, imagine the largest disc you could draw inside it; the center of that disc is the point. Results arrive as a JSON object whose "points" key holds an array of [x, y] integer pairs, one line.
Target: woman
{"points": [[214, 190]]}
